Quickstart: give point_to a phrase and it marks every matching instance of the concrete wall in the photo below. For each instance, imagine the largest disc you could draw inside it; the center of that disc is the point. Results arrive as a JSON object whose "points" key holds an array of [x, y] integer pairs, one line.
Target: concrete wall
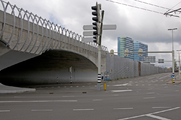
{"points": [[50, 68], [118, 67]]}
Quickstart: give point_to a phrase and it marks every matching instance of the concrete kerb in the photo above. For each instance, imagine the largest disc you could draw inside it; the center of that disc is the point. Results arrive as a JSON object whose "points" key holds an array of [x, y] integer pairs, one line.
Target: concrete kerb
{"points": [[8, 89]]}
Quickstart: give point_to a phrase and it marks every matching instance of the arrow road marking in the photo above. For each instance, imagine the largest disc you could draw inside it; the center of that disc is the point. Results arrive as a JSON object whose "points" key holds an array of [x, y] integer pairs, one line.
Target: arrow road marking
{"points": [[151, 115], [157, 117]]}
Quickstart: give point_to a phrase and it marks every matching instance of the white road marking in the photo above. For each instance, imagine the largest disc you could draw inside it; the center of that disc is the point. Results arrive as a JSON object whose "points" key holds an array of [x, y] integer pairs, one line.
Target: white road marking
{"points": [[4, 110], [31, 101], [121, 84], [148, 97], [120, 90], [157, 117], [82, 109], [123, 108], [159, 107], [151, 114], [42, 110]]}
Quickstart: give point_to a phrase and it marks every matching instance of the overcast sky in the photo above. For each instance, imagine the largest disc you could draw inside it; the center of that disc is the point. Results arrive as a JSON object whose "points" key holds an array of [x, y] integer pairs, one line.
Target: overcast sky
{"points": [[150, 28]]}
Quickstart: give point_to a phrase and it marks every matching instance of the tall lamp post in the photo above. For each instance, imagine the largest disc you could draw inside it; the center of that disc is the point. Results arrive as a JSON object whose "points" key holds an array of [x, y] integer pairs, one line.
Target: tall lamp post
{"points": [[173, 55], [179, 61]]}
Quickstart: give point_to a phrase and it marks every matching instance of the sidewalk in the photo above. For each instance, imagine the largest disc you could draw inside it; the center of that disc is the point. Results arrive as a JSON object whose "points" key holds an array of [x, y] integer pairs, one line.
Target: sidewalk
{"points": [[9, 89]]}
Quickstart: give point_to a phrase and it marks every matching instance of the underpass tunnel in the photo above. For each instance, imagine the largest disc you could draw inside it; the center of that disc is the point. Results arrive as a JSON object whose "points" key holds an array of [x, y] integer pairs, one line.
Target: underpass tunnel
{"points": [[52, 67]]}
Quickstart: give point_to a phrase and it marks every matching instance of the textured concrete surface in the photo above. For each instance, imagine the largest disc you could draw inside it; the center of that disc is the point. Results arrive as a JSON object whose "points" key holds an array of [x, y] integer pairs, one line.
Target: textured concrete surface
{"points": [[10, 89]]}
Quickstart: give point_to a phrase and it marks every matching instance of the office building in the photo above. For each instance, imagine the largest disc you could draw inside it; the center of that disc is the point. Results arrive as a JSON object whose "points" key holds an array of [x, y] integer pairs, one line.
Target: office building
{"points": [[137, 46], [127, 43], [123, 44]]}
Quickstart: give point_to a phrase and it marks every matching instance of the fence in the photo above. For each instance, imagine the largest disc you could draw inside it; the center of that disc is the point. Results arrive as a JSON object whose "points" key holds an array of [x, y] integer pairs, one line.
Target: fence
{"points": [[118, 67]]}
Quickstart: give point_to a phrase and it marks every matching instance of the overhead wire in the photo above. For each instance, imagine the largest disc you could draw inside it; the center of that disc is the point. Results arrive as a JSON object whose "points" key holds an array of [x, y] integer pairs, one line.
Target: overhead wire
{"points": [[138, 7], [152, 4], [173, 7]]}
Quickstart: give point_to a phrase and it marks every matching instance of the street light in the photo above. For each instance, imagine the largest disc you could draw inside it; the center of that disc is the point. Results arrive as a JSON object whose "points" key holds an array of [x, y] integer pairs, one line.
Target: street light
{"points": [[173, 55], [179, 61]]}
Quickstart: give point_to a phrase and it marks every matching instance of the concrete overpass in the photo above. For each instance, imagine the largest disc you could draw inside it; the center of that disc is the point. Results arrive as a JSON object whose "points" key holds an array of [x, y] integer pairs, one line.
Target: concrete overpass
{"points": [[35, 50]]}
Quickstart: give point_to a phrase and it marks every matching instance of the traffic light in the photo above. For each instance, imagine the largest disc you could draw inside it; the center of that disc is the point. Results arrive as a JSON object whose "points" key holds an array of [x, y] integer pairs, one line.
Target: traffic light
{"points": [[96, 22]]}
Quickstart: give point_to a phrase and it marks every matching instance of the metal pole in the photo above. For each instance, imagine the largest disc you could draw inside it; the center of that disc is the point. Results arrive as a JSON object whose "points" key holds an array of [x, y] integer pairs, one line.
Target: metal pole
{"points": [[173, 59], [173, 56], [99, 55], [99, 69], [179, 64]]}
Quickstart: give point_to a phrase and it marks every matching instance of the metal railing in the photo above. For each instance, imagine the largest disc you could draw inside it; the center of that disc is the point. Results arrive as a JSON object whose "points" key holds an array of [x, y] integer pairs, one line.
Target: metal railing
{"points": [[48, 30]]}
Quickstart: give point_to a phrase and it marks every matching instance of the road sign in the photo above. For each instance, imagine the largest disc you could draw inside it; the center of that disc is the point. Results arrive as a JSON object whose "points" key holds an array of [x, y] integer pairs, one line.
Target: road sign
{"points": [[150, 59], [172, 76], [160, 60], [105, 27]]}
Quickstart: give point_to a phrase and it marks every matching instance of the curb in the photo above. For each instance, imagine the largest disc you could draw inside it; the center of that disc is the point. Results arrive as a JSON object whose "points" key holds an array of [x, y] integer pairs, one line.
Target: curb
{"points": [[17, 91]]}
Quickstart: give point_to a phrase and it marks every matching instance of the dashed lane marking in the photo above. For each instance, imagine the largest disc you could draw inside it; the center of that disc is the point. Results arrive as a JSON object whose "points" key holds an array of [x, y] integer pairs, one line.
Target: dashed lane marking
{"points": [[82, 109], [118, 85], [121, 90], [38, 101], [42, 110], [123, 108]]}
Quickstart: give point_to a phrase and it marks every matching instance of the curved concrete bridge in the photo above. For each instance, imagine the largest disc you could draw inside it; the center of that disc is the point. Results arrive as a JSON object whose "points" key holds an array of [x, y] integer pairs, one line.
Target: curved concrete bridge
{"points": [[34, 50]]}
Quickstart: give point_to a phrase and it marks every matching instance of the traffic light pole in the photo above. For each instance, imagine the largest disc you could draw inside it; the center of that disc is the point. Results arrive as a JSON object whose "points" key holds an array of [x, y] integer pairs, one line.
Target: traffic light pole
{"points": [[99, 54]]}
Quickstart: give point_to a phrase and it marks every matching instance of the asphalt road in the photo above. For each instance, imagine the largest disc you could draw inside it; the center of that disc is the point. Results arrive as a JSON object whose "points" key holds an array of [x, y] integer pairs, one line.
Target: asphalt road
{"points": [[141, 98]]}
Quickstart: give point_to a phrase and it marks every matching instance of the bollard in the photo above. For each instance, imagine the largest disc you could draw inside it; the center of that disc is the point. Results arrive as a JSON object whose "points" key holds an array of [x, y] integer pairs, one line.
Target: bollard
{"points": [[105, 86], [172, 80]]}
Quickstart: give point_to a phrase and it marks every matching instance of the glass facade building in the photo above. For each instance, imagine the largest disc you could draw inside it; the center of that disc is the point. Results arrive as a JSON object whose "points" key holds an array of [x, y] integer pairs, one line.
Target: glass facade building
{"points": [[137, 46], [127, 43], [123, 44]]}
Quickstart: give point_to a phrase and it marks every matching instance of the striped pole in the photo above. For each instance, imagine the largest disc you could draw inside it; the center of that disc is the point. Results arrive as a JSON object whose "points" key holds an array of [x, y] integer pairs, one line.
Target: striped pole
{"points": [[99, 69]]}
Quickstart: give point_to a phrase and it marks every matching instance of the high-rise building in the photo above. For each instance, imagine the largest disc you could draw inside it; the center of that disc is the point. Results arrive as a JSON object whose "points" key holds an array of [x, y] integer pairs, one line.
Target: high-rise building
{"points": [[123, 44], [137, 46], [127, 43]]}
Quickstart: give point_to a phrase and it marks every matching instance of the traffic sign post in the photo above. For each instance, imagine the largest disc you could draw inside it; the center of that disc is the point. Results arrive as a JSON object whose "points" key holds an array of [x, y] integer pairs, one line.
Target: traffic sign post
{"points": [[95, 31]]}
